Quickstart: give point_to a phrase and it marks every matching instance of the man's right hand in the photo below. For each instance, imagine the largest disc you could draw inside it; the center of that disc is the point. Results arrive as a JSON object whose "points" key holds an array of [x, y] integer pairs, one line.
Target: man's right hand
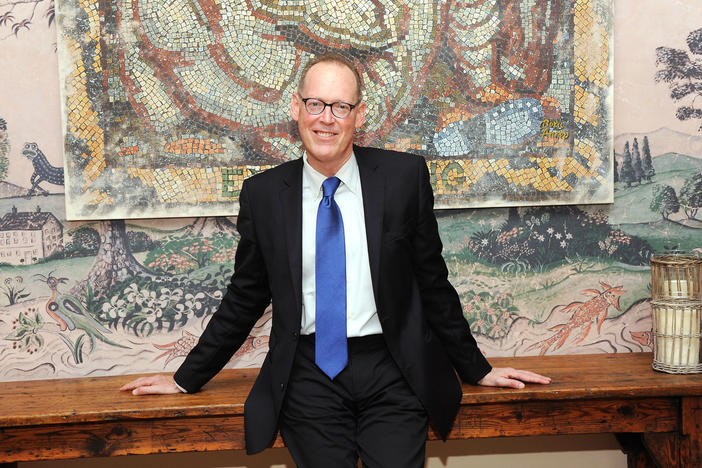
{"points": [[152, 385]]}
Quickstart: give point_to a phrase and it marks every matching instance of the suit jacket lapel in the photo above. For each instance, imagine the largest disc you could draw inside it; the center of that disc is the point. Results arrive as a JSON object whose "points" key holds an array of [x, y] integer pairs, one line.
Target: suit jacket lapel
{"points": [[372, 186], [290, 197]]}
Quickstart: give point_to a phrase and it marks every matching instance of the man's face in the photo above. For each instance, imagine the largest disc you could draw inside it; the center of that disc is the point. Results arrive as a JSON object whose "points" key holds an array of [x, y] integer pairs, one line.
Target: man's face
{"points": [[328, 140]]}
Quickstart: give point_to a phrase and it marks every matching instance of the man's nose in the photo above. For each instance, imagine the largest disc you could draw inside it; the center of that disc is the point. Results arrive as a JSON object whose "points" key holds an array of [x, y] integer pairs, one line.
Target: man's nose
{"points": [[326, 116]]}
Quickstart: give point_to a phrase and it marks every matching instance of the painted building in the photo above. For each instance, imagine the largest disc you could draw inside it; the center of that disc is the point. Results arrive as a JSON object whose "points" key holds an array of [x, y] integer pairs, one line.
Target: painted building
{"points": [[28, 236]]}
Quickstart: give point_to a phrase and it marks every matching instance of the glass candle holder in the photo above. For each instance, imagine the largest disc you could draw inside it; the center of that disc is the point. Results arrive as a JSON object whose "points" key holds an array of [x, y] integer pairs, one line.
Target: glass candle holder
{"points": [[676, 336], [676, 276], [676, 308]]}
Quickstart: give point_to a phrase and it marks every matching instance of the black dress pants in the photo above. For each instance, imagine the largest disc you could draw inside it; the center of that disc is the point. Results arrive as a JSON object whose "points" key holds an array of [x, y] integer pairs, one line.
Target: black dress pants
{"points": [[367, 411]]}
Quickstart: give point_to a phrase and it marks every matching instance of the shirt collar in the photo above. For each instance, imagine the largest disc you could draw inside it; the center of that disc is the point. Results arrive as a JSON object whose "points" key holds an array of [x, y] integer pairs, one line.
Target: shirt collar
{"points": [[348, 174]]}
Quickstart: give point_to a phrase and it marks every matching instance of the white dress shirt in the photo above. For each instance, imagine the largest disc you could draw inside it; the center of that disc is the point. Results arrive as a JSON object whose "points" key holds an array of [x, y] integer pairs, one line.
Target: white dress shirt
{"points": [[361, 312]]}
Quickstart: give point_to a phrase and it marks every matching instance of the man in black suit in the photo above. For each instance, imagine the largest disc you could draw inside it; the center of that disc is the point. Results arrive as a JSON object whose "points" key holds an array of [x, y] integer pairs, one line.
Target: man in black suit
{"points": [[405, 335]]}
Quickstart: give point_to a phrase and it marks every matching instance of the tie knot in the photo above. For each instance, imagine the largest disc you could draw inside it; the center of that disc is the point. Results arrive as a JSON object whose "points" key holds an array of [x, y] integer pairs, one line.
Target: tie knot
{"points": [[329, 186]]}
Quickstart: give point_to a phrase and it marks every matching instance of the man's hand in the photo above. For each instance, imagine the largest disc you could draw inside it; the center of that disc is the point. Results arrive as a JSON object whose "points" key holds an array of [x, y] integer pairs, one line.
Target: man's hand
{"points": [[152, 385], [513, 378]]}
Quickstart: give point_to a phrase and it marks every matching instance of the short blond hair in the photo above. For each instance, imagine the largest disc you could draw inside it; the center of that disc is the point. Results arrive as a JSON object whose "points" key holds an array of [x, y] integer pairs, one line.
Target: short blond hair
{"points": [[333, 57]]}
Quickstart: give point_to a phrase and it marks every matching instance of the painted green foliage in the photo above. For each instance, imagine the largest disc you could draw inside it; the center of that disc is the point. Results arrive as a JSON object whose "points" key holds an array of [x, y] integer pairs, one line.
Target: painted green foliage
{"points": [[4, 149], [25, 331], [190, 274], [488, 313], [683, 75], [182, 254], [541, 236], [145, 305], [691, 195], [665, 201], [13, 289]]}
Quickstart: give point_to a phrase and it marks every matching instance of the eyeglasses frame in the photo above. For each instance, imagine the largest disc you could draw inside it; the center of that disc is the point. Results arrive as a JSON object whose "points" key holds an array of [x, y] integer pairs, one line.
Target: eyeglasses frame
{"points": [[331, 106]]}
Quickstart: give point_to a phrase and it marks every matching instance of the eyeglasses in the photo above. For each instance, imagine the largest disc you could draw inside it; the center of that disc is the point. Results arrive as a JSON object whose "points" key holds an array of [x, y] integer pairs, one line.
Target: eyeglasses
{"points": [[340, 109]]}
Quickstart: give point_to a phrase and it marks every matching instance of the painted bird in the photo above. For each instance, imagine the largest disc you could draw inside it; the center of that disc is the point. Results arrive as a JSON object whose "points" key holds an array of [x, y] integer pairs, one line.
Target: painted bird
{"points": [[70, 314]]}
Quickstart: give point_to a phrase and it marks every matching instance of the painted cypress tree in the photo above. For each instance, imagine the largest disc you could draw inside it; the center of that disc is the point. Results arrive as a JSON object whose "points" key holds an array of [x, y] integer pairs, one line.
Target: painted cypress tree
{"points": [[616, 171], [636, 161], [4, 149], [647, 162], [627, 175]]}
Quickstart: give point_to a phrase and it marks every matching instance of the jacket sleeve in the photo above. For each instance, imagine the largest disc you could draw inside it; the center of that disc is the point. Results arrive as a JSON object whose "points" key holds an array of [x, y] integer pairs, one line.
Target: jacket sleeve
{"points": [[246, 298], [440, 301]]}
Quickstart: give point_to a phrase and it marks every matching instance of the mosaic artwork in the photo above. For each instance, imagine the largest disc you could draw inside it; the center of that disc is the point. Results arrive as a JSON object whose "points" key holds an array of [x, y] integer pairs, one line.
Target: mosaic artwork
{"points": [[169, 106]]}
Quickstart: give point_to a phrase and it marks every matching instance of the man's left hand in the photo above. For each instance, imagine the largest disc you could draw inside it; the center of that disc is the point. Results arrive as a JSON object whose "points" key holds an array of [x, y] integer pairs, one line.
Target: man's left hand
{"points": [[512, 378]]}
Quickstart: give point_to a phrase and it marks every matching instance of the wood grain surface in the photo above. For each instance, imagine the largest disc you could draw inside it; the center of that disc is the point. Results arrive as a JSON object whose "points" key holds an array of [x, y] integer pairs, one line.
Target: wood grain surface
{"points": [[602, 393]]}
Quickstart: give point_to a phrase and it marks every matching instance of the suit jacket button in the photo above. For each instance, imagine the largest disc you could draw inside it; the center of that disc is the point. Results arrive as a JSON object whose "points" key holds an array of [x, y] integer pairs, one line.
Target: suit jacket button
{"points": [[295, 334], [282, 387]]}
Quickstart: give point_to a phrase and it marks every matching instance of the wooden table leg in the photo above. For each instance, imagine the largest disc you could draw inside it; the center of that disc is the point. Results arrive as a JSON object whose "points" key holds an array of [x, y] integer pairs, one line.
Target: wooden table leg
{"points": [[636, 454], [690, 450], [672, 449], [664, 449]]}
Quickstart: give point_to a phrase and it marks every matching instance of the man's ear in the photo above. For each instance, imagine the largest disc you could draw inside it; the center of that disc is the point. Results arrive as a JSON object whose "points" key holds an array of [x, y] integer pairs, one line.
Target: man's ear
{"points": [[360, 114], [294, 106]]}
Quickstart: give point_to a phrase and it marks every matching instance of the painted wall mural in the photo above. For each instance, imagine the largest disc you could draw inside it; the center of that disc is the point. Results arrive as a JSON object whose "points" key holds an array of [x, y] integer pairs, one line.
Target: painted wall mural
{"points": [[510, 101], [83, 298]]}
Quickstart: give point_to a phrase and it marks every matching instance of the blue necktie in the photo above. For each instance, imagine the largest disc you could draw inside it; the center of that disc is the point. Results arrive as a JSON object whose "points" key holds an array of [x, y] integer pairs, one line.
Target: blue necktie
{"points": [[331, 354]]}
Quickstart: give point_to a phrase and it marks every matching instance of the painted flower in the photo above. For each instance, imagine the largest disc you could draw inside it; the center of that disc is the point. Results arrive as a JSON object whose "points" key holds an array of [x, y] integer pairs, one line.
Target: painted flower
{"points": [[115, 308], [152, 314], [193, 302], [133, 294]]}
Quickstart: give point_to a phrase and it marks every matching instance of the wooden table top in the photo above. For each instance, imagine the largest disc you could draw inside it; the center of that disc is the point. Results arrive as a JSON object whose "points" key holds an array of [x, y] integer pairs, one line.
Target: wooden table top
{"points": [[91, 399]]}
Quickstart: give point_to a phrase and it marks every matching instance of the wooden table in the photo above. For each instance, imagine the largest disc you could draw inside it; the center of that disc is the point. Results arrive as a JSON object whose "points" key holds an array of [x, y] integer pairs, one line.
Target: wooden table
{"points": [[657, 417]]}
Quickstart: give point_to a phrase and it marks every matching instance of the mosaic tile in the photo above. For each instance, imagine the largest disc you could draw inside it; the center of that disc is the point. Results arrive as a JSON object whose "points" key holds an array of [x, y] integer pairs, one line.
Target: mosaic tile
{"points": [[182, 100]]}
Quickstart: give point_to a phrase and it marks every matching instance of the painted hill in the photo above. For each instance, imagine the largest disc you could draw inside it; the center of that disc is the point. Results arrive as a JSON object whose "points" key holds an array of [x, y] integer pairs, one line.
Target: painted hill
{"points": [[671, 169], [662, 141], [10, 190]]}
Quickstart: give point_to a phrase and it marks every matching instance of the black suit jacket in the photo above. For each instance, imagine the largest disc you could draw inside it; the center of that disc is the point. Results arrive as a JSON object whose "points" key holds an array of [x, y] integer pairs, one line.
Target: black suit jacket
{"points": [[419, 310]]}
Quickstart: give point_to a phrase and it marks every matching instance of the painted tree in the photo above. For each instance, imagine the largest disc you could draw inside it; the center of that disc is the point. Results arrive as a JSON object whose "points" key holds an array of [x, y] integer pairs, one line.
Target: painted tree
{"points": [[616, 171], [4, 149], [84, 241], [683, 75], [647, 162], [636, 161], [691, 195], [113, 263], [665, 201], [20, 15], [627, 175]]}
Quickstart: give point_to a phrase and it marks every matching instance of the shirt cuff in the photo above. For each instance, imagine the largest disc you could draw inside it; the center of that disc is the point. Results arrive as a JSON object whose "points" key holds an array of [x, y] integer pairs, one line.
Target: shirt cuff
{"points": [[179, 387]]}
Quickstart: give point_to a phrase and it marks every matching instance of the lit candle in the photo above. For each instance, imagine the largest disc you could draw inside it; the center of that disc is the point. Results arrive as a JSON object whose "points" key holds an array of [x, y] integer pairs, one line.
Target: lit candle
{"points": [[680, 343]]}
